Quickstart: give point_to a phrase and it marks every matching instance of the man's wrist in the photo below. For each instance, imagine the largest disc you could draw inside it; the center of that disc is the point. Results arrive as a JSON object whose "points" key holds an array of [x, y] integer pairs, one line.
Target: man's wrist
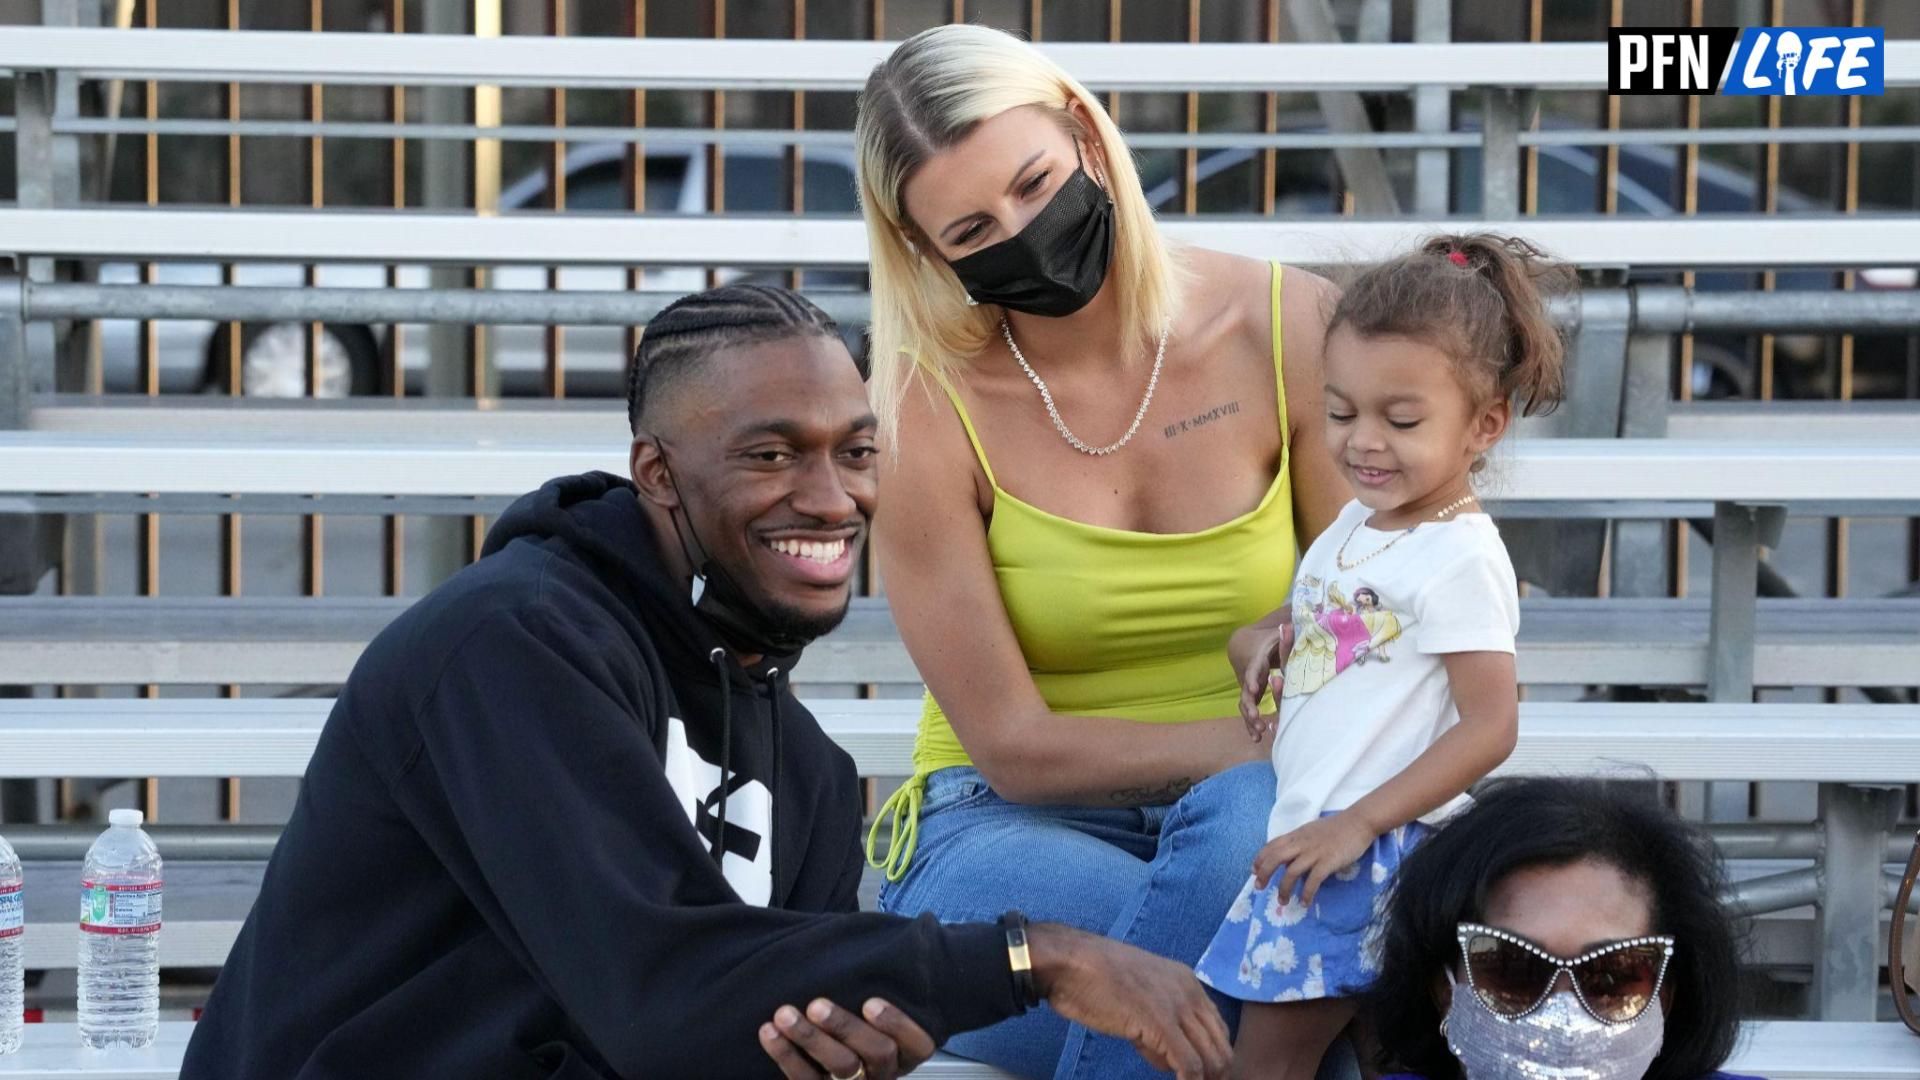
{"points": [[1054, 949]]}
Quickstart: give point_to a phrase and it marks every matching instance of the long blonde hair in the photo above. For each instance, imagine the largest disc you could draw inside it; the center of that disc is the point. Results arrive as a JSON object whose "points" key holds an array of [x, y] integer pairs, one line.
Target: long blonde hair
{"points": [[925, 97]]}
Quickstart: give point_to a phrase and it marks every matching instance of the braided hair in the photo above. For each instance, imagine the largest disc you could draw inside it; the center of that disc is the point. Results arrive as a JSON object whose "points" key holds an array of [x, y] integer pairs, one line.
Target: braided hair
{"points": [[689, 330]]}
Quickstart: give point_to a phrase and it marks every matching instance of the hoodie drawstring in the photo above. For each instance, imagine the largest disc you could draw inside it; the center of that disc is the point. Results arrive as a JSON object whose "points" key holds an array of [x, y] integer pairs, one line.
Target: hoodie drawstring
{"points": [[719, 659], [773, 703]]}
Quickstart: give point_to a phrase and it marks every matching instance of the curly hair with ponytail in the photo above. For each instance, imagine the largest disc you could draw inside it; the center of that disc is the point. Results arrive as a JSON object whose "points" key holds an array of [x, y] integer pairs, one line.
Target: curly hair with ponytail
{"points": [[1479, 298]]}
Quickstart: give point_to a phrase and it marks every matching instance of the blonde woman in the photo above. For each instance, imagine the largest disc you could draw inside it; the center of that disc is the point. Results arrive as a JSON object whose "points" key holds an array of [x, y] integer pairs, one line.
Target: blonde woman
{"points": [[1104, 455]]}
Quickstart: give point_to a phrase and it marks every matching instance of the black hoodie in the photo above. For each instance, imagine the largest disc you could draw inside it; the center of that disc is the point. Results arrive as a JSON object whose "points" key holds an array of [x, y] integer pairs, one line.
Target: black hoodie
{"points": [[493, 870]]}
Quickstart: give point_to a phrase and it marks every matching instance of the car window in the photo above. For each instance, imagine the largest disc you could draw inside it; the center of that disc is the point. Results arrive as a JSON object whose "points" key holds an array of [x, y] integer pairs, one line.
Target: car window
{"points": [[755, 184], [830, 188], [602, 185], [1569, 183]]}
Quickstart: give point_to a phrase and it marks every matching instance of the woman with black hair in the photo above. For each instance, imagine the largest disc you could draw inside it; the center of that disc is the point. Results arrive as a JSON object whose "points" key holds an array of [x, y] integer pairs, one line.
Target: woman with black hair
{"points": [[1563, 928]]}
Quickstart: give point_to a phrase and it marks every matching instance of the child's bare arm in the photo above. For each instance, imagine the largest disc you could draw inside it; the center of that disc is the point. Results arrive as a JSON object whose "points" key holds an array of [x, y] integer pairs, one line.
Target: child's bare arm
{"points": [[1485, 690], [1486, 693]]}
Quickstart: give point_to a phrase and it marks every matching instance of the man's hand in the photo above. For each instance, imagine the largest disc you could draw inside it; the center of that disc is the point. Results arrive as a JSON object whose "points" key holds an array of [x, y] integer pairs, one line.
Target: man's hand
{"points": [[1258, 656], [1313, 853], [1152, 1002], [880, 1044]]}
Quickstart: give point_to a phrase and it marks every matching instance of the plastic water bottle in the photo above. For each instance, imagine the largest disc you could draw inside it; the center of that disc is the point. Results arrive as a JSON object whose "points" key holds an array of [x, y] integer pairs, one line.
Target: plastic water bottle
{"points": [[13, 987], [120, 936]]}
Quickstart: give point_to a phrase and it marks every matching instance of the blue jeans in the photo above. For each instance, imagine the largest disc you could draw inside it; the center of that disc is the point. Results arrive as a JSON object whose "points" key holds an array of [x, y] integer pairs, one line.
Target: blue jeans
{"points": [[1159, 877]]}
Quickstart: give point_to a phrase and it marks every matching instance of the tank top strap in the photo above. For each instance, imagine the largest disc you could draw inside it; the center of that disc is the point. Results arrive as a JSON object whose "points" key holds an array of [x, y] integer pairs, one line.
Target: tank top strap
{"points": [[965, 420], [1279, 368]]}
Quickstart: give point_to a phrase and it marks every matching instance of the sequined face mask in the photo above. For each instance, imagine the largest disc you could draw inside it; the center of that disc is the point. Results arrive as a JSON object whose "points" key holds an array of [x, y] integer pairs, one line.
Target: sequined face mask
{"points": [[1507, 1021]]}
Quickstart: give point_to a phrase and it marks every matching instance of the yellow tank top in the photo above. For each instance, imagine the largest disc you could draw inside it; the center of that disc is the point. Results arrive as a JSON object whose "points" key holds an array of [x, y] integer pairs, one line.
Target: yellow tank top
{"points": [[1132, 625]]}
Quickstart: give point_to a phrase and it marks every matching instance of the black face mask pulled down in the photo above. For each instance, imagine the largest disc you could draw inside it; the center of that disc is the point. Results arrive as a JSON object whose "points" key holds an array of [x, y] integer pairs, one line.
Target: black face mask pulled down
{"points": [[746, 627], [1056, 265]]}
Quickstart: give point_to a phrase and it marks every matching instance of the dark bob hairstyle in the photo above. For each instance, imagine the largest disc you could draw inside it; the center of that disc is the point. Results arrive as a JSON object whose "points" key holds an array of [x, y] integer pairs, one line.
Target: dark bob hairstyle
{"points": [[1519, 824]]}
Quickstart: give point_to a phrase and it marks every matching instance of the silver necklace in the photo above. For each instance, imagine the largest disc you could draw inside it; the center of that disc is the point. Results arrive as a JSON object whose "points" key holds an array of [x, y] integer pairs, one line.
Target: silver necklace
{"points": [[1340, 556], [1060, 425]]}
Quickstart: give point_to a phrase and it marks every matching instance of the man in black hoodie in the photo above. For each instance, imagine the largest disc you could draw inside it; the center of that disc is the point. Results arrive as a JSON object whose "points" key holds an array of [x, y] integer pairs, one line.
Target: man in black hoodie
{"points": [[566, 819]]}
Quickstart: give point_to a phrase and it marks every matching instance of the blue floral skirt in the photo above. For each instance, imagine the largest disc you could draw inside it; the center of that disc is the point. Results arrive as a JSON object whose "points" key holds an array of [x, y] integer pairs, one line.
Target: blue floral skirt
{"points": [[1269, 950]]}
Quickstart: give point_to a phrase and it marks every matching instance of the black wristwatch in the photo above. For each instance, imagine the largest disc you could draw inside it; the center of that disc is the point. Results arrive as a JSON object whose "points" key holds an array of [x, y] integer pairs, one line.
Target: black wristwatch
{"points": [[1026, 992]]}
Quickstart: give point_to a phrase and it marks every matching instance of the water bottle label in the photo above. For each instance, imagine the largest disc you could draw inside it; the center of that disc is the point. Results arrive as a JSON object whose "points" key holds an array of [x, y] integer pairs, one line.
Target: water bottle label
{"points": [[119, 909], [13, 915]]}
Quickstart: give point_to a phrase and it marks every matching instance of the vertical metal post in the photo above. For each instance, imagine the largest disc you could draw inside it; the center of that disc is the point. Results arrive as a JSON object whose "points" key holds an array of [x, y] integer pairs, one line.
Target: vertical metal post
{"points": [[16, 373], [1736, 566], [1846, 973], [394, 527], [1855, 820], [1270, 157], [1432, 115], [1190, 157], [232, 533], [717, 154], [1565, 555], [1503, 114], [20, 542], [446, 177], [76, 366], [637, 169], [38, 170], [149, 574], [1770, 204], [1739, 532], [1530, 156], [46, 177], [796, 155], [1116, 23], [1683, 375], [1639, 566], [556, 336]]}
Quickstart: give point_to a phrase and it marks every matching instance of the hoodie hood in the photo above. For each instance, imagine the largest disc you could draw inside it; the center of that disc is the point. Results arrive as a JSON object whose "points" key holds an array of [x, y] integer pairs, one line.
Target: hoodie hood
{"points": [[595, 518]]}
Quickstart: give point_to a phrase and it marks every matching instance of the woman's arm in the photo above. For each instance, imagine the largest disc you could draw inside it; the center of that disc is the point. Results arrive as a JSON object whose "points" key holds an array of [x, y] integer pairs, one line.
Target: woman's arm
{"points": [[930, 537], [1320, 489]]}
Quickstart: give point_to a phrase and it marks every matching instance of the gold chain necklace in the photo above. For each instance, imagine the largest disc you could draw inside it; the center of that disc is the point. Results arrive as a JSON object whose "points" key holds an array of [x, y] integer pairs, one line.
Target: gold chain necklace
{"points": [[1340, 556]]}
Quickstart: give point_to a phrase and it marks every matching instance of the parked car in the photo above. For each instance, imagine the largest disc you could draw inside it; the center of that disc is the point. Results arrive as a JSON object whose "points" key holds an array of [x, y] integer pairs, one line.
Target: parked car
{"points": [[1724, 365], [193, 354]]}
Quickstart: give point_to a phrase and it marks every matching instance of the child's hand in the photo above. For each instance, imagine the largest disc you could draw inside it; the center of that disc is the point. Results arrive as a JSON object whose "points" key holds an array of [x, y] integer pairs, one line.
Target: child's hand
{"points": [[1259, 655], [1313, 853]]}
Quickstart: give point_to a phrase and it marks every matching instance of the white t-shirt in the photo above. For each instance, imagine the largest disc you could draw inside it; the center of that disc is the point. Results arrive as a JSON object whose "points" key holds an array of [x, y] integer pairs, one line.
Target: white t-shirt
{"points": [[1366, 687]]}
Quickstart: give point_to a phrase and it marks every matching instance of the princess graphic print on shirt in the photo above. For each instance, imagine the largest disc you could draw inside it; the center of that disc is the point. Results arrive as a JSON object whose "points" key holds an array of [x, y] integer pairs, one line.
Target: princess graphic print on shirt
{"points": [[1332, 633]]}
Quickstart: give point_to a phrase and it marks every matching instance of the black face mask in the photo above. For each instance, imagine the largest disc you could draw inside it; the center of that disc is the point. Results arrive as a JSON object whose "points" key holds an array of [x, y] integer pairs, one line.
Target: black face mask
{"points": [[1055, 265], [746, 626]]}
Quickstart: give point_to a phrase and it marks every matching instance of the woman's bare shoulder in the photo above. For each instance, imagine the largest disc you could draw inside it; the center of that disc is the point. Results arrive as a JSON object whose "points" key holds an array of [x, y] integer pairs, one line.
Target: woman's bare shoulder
{"points": [[1229, 292], [931, 449]]}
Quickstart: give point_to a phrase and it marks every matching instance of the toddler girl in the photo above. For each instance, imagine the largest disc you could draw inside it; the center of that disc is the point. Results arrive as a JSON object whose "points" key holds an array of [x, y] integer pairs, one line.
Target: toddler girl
{"points": [[1397, 692]]}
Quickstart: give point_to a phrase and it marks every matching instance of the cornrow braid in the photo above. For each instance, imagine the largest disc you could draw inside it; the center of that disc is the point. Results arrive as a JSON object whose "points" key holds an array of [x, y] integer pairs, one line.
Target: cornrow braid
{"points": [[696, 326]]}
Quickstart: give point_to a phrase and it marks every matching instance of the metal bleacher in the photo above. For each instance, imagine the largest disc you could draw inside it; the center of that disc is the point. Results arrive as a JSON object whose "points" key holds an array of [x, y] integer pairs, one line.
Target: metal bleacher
{"points": [[1743, 467]]}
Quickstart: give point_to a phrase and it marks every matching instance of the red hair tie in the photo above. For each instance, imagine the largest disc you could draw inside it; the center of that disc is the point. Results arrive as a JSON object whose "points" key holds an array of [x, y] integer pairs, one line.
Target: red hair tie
{"points": [[1457, 257]]}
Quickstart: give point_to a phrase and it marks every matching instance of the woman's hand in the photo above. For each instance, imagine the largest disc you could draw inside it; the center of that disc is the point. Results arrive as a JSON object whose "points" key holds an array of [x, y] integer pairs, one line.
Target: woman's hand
{"points": [[1313, 853], [1259, 655], [880, 1044]]}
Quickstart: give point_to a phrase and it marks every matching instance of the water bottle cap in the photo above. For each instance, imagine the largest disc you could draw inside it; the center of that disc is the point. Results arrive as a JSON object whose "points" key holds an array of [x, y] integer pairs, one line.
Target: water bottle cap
{"points": [[132, 818]]}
